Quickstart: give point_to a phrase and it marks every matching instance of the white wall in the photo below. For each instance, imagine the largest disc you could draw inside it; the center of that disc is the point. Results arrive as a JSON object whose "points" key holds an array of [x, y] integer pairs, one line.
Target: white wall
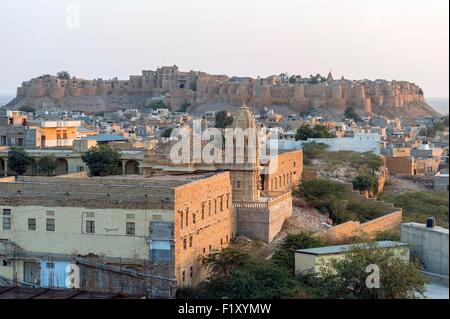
{"points": [[366, 142]]}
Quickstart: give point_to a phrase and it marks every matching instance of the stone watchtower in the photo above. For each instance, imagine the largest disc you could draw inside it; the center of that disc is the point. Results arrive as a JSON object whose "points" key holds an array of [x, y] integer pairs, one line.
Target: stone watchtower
{"points": [[245, 167]]}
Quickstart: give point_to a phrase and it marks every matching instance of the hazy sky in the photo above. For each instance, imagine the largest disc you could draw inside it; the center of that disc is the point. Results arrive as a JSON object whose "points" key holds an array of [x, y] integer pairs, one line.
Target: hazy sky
{"points": [[391, 39]]}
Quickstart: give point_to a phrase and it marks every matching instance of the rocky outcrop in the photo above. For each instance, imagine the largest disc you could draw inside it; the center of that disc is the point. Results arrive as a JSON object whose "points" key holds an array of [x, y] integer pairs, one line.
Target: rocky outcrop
{"points": [[183, 89]]}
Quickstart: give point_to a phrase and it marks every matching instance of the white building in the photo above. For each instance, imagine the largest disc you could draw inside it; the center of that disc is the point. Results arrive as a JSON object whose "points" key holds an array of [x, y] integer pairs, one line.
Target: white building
{"points": [[361, 142]]}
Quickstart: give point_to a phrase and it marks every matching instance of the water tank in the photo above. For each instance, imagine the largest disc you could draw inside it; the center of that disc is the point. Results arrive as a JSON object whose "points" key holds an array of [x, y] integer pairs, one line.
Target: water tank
{"points": [[431, 222]]}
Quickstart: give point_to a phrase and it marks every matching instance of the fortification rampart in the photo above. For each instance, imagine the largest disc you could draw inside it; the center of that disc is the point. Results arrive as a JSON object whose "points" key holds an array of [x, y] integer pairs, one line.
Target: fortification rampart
{"points": [[196, 88]]}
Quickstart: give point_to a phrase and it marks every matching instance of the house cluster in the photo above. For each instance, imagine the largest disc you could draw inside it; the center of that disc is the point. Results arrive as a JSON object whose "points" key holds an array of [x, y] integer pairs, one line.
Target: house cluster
{"points": [[408, 147], [143, 231]]}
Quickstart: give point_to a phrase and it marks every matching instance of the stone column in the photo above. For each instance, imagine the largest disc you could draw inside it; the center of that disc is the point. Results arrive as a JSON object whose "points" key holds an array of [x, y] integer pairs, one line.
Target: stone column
{"points": [[6, 166], [123, 167]]}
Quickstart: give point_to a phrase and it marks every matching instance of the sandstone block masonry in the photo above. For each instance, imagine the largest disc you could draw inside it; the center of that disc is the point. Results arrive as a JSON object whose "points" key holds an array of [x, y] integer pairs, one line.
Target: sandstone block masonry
{"points": [[371, 229], [263, 220], [181, 89]]}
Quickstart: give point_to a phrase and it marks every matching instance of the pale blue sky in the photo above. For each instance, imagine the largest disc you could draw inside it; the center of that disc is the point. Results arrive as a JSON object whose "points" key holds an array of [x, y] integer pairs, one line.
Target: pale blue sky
{"points": [[392, 39]]}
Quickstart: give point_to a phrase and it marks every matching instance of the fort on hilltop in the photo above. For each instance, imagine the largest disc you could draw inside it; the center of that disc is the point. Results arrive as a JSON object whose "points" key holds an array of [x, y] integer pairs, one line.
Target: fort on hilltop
{"points": [[192, 89]]}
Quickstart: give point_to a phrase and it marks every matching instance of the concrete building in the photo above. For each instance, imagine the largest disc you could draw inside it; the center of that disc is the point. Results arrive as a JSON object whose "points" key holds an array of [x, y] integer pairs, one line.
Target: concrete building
{"points": [[316, 260], [127, 235], [429, 245], [69, 160], [360, 142], [441, 180]]}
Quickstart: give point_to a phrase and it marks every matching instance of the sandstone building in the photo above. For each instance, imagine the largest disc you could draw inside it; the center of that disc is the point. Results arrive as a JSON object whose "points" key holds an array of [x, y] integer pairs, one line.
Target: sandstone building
{"points": [[261, 185], [127, 235]]}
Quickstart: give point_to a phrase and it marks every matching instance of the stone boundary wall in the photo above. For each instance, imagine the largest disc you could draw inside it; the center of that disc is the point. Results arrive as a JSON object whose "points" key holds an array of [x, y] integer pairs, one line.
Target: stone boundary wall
{"points": [[310, 175], [372, 228], [9, 179], [74, 175]]}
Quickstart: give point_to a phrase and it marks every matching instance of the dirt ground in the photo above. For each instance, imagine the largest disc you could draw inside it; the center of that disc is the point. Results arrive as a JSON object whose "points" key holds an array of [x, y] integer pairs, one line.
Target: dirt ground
{"points": [[400, 185]]}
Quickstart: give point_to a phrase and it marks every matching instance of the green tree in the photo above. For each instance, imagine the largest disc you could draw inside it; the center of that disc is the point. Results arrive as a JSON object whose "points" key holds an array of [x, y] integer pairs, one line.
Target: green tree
{"points": [[102, 160], [63, 75], [158, 105], [305, 131], [346, 277], [350, 113], [222, 263], [223, 119], [167, 132], [372, 161], [45, 165], [18, 160], [365, 183], [316, 79], [326, 196], [27, 109], [285, 255], [237, 275], [313, 150], [322, 132], [292, 79]]}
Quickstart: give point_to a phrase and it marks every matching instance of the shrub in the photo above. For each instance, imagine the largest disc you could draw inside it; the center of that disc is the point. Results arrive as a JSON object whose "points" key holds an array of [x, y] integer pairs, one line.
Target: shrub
{"points": [[366, 183], [18, 160], [102, 160], [346, 277], [285, 256]]}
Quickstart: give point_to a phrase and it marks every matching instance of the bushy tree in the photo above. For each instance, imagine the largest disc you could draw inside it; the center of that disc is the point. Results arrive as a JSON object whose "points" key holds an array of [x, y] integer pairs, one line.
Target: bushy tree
{"points": [[313, 150], [45, 165], [372, 161], [316, 79], [167, 132], [345, 278], [292, 79], [305, 131], [237, 275], [223, 119], [350, 113], [326, 196], [365, 183], [102, 160], [18, 160], [285, 255], [63, 75], [27, 109], [158, 105], [222, 263]]}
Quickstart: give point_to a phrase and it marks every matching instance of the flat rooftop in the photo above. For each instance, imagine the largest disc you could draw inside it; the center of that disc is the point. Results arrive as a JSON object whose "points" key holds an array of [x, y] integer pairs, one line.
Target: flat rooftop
{"points": [[14, 292], [331, 250], [437, 229], [133, 192]]}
